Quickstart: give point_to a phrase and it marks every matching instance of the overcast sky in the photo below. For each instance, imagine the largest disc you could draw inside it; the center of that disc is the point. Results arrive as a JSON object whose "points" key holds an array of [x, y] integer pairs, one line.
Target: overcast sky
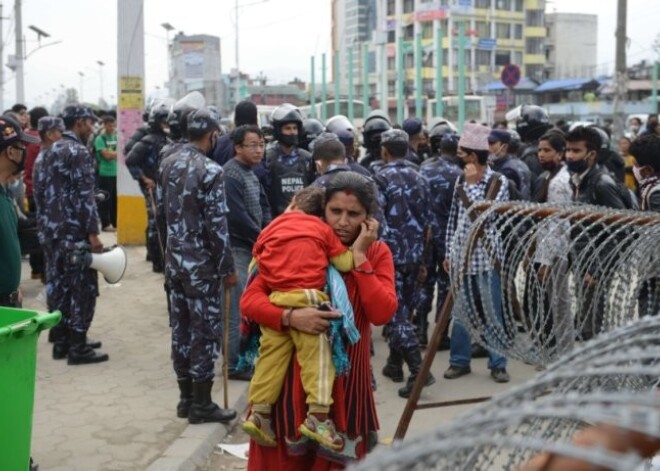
{"points": [[277, 37]]}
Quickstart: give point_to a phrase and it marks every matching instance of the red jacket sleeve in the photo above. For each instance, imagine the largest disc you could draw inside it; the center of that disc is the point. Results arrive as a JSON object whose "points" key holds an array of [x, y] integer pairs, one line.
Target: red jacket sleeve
{"points": [[375, 284], [256, 306]]}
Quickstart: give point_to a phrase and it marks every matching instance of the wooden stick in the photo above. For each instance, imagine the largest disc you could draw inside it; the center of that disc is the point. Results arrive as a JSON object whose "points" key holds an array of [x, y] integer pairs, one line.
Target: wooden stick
{"points": [[225, 349]]}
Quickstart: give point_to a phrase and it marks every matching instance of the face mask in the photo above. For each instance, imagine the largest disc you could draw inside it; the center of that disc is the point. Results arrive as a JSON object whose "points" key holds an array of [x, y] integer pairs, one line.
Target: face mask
{"points": [[577, 166], [637, 172], [289, 140]]}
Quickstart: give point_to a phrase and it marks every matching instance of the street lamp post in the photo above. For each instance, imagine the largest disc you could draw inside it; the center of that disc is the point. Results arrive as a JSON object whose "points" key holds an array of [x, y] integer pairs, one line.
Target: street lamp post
{"points": [[168, 28], [101, 64], [82, 75]]}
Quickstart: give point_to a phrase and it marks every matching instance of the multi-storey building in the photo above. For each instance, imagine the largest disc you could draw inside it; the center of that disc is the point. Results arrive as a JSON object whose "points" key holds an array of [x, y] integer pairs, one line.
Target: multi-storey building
{"points": [[573, 37], [196, 65], [498, 32]]}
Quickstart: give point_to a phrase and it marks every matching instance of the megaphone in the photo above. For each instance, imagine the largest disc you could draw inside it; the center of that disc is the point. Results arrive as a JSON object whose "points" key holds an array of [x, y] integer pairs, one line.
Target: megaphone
{"points": [[111, 263]]}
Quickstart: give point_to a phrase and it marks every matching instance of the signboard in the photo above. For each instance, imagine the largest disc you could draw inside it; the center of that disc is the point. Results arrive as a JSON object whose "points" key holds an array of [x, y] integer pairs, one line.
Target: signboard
{"points": [[131, 92], [462, 7], [487, 44], [430, 15], [193, 59], [390, 25], [510, 75]]}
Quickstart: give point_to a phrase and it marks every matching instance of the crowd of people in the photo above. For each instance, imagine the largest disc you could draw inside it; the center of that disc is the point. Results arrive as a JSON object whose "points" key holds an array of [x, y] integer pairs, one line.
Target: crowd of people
{"points": [[313, 238]]}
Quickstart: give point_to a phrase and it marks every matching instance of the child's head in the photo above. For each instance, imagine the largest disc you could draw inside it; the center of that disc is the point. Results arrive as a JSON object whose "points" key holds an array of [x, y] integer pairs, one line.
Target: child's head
{"points": [[310, 200]]}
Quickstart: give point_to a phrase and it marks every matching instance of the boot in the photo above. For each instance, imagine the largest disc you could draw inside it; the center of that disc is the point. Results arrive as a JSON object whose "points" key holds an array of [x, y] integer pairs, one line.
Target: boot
{"points": [[394, 367], [80, 353], [413, 359], [185, 397], [203, 409], [58, 335]]}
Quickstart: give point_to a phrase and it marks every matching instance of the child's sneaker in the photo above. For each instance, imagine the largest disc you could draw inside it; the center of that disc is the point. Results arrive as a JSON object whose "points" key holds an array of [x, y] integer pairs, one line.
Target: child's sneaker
{"points": [[323, 432], [258, 427]]}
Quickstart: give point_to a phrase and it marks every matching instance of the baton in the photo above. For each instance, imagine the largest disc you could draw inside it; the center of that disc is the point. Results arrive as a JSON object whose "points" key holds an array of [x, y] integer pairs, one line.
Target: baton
{"points": [[154, 209], [225, 349]]}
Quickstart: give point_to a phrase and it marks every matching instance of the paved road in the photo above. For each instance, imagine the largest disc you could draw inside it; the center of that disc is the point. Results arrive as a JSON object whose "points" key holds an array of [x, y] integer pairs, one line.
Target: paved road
{"points": [[119, 415]]}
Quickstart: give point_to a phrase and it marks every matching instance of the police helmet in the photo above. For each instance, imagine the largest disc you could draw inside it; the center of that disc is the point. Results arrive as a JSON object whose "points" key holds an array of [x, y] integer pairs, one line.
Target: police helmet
{"points": [[604, 137], [311, 129], [180, 110], [338, 123], [376, 123], [438, 132], [159, 112], [532, 123]]}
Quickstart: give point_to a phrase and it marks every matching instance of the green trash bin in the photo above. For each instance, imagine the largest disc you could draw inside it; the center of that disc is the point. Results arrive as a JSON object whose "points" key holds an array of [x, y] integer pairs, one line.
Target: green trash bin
{"points": [[19, 331]]}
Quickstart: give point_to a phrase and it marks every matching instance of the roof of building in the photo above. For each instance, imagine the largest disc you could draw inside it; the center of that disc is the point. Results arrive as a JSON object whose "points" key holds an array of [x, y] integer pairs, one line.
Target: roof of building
{"points": [[276, 90], [524, 84], [566, 85]]}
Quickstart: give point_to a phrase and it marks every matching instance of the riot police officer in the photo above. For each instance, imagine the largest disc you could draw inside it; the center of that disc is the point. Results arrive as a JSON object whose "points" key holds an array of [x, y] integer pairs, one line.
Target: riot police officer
{"points": [[500, 160], [441, 172], [404, 200], [289, 168], [376, 123], [197, 263], [532, 123], [311, 129], [177, 122], [66, 210], [142, 162]]}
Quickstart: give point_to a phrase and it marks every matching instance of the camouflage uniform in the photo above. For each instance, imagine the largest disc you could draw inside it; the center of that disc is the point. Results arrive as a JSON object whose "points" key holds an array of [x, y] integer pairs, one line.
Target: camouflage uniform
{"points": [[142, 161], [66, 214], [403, 199], [441, 175], [197, 258]]}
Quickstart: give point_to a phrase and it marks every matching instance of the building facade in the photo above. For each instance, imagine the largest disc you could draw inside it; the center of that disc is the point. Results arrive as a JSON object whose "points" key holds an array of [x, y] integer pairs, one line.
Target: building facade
{"points": [[195, 64], [573, 37], [498, 32]]}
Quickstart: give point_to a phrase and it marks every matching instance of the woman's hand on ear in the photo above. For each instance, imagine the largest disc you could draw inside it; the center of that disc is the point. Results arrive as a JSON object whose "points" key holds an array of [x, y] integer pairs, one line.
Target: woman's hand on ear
{"points": [[368, 235]]}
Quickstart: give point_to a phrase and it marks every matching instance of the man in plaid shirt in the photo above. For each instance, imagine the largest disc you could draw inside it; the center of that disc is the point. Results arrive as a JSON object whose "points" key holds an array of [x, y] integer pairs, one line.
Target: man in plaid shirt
{"points": [[480, 289]]}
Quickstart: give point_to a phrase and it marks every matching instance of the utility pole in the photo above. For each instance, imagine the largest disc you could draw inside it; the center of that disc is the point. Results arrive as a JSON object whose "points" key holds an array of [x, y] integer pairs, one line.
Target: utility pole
{"points": [[20, 56], [621, 72], [101, 64], [2, 66]]}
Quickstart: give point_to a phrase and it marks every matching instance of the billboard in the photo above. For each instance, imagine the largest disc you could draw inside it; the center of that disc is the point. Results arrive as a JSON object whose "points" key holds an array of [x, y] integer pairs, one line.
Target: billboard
{"points": [[193, 59]]}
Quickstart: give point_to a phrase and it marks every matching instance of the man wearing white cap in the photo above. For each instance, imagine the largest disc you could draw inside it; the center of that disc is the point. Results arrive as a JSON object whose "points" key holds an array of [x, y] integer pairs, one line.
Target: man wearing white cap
{"points": [[480, 279]]}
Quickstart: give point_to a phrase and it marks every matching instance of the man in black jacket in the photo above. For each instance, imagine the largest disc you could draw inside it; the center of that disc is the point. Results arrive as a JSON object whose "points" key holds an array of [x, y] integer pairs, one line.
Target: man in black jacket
{"points": [[592, 185]]}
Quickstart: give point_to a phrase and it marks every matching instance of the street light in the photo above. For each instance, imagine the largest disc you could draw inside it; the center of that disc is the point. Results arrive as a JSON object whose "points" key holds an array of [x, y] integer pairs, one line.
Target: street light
{"points": [[82, 75], [40, 32], [168, 28], [101, 64]]}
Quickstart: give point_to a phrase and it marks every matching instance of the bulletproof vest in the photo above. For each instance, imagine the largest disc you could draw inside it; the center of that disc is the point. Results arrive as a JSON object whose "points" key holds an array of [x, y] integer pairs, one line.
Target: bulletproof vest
{"points": [[285, 179]]}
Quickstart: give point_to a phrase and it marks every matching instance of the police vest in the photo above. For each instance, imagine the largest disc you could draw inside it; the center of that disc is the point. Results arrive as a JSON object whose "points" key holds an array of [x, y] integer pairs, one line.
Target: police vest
{"points": [[286, 179]]}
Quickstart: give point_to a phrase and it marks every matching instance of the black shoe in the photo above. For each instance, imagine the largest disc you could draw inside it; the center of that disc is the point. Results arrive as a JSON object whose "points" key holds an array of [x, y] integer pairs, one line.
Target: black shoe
{"points": [[60, 350], [58, 335], [185, 397], [407, 389], [500, 375], [393, 369], [454, 372], [241, 375], [82, 354], [203, 409], [478, 351], [94, 343]]}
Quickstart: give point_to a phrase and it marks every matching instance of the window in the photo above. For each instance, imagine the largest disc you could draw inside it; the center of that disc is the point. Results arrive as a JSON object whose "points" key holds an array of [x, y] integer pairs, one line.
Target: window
{"points": [[391, 36], [483, 29], [483, 57], [428, 59], [503, 4], [391, 10], [517, 31], [391, 87], [391, 63], [503, 30], [427, 30], [517, 57], [408, 61], [409, 33], [502, 57], [482, 4], [518, 5], [408, 6], [534, 46], [534, 18]]}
